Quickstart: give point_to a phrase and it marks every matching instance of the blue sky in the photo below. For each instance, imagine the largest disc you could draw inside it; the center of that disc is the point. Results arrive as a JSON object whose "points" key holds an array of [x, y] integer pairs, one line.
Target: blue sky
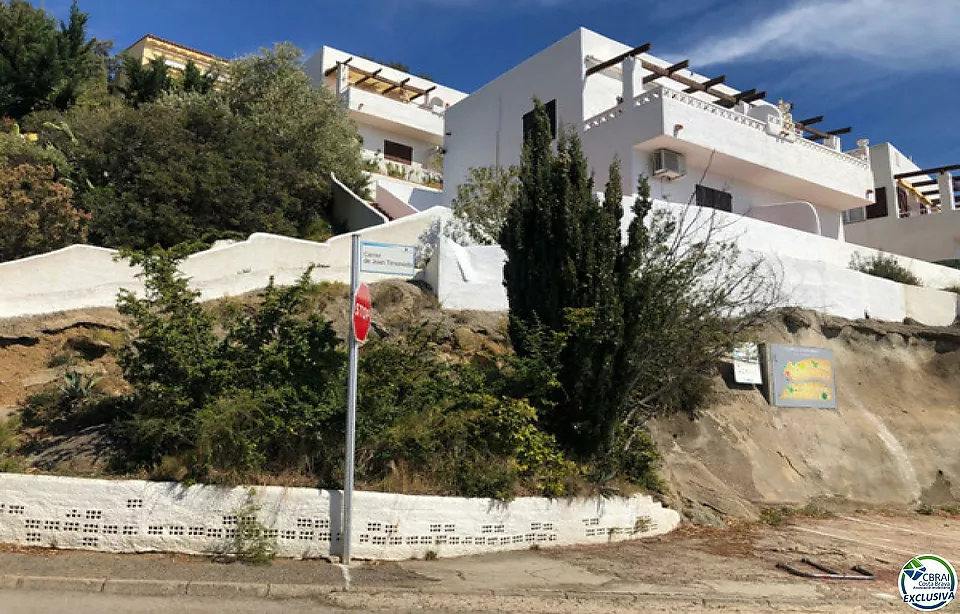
{"points": [[889, 68]]}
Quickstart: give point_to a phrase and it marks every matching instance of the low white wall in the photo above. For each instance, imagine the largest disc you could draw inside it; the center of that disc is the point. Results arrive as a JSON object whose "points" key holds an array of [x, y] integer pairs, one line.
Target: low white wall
{"points": [[137, 516], [814, 272], [351, 211], [82, 276], [391, 204]]}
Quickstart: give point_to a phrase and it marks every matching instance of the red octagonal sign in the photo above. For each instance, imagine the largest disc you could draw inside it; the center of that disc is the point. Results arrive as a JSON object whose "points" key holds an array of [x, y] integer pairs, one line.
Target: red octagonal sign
{"points": [[361, 313]]}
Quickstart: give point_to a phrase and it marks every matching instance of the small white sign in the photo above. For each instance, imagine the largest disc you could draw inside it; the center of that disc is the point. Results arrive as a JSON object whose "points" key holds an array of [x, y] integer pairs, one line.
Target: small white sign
{"points": [[388, 259], [746, 364]]}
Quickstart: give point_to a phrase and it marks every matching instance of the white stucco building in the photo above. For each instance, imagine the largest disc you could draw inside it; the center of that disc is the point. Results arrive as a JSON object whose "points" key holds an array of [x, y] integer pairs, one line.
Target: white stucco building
{"points": [[914, 212], [400, 118], [738, 152]]}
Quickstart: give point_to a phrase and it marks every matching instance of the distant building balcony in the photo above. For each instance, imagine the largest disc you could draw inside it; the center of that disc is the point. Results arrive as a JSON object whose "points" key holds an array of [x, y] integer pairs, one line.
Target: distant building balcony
{"points": [[756, 149], [418, 120], [412, 172]]}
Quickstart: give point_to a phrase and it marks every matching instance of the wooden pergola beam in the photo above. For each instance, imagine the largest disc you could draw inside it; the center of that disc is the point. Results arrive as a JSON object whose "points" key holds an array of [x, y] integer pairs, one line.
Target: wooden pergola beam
{"points": [[732, 100], [920, 184], [689, 82], [395, 86], [617, 59], [424, 92], [812, 120], [370, 76], [668, 71], [840, 131], [706, 84], [752, 97], [928, 171], [333, 69], [929, 192]]}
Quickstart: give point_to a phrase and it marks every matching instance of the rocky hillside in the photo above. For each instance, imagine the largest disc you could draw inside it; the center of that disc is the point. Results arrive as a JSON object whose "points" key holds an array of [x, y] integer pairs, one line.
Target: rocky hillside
{"points": [[891, 444]]}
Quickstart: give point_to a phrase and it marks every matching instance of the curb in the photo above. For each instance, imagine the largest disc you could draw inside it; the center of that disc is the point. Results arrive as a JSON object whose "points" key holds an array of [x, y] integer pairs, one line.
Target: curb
{"points": [[228, 590]]}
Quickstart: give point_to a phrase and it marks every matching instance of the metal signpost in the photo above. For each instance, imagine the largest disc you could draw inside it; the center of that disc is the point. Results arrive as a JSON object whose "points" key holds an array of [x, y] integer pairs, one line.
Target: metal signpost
{"points": [[359, 327], [381, 258]]}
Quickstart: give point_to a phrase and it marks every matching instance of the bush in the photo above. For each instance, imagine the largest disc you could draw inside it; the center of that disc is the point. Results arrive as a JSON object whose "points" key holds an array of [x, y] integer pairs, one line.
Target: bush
{"points": [[885, 266], [37, 213], [253, 399]]}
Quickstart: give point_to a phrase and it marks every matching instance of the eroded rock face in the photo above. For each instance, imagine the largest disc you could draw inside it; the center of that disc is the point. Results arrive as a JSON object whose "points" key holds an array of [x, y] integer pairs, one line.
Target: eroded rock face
{"points": [[892, 443]]}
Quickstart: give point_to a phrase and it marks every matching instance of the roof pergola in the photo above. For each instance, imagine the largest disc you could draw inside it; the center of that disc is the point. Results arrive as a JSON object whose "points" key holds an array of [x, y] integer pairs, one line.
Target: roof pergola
{"points": [[375, 82], [723, 99], [905, 179]]}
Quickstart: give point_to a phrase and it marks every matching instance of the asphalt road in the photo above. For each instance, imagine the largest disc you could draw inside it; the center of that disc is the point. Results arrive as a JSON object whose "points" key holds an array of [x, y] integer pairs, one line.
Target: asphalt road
{"points": [[31, 602]]}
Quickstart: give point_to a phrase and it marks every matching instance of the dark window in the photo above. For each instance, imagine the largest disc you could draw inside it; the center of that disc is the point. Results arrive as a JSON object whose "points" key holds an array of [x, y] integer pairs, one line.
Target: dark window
{"points": [[551, 113], [398, 152], [879, 207], [714, 199]]}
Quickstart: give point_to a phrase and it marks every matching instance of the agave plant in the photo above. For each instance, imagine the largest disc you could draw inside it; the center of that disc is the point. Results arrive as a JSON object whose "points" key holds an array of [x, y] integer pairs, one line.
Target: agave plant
{"points": [[77, 387]]}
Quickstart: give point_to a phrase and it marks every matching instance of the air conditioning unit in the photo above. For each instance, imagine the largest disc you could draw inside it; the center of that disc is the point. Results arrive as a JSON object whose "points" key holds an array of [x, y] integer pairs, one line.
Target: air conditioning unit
{"points": [[668, 164]]}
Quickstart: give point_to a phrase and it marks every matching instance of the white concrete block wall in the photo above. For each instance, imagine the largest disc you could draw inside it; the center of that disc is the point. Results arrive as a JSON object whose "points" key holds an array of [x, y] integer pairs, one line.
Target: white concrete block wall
{"points": [[138, 516]]}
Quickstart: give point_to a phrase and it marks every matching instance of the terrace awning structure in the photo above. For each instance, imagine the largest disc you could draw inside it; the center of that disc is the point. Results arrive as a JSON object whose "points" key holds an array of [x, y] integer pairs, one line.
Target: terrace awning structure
{"points": [[375, 82], [907, 180], [721, 98]]}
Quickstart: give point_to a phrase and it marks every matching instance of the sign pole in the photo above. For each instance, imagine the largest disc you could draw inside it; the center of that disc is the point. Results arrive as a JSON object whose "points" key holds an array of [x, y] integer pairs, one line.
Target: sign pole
{"points": [[353, 345]]}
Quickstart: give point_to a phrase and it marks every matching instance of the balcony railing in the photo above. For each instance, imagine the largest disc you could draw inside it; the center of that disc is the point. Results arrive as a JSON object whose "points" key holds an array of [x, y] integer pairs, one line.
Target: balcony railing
{"points": [[414, 172], [857, 158]]}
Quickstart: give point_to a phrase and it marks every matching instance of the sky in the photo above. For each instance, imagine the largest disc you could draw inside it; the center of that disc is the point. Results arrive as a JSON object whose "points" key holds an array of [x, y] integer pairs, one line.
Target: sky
{"points": [[888, 68]]}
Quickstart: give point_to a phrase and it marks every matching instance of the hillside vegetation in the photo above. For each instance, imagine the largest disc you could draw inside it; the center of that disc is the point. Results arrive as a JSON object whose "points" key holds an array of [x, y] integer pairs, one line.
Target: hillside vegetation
{"points": [[165, 159]]}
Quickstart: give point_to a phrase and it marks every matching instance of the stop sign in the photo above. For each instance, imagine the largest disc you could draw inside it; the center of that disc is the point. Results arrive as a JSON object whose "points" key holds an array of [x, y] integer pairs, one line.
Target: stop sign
{"points": [[361, 313]]}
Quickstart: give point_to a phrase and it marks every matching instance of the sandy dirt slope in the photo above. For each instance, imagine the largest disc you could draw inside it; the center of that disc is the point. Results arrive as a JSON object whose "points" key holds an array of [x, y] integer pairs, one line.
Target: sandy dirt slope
{"points": [[892, 443]]}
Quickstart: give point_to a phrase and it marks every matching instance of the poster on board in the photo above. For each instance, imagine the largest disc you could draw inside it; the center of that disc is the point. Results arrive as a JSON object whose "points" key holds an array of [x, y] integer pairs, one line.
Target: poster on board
{"points": [[802, 377], [746, 364]]}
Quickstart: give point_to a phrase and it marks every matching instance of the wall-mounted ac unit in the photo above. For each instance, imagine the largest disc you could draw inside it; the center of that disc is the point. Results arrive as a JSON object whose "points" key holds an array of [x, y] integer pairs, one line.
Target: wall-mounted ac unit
{"points": [[668, 164]]}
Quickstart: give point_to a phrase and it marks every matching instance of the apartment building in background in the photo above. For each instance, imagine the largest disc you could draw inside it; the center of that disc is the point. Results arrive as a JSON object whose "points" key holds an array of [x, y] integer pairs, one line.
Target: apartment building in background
{"points": [[174, 54], [914, 212], [400, 118], [697, 139]]}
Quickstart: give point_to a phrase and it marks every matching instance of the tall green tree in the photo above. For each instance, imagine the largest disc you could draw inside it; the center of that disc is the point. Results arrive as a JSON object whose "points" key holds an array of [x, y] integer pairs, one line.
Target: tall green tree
{"points": [[143, 83], [270, 93], [197, 81], [643, 321], [43, 66]]}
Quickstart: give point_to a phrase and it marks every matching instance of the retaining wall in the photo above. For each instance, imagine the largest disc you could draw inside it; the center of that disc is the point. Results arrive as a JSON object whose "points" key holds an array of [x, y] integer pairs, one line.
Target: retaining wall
{"points": [[83, 276], [138, 516], [814, 272]]}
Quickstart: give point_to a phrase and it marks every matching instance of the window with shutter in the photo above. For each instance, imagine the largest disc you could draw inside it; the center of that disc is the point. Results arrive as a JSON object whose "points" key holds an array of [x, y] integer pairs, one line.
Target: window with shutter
{"points": [[879, 207], [714, 199], [551, 108], [398, 152]]}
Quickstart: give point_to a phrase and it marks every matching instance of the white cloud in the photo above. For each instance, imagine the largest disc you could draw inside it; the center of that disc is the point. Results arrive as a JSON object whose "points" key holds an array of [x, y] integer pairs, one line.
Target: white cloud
{"points": [[899, 34]]}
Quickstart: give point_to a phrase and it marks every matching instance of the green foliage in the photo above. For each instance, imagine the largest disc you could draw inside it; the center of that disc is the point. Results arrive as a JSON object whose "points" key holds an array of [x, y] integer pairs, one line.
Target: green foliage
{"points": [[254, 399], [642, 322], [10, 461], [36, 213], [886, 266], [255, 155], [954, 289], [197, 82], [456, 424], [252, 542], [77, 388], [43, 66], [143, 83], [272, 95], [483, 200]]}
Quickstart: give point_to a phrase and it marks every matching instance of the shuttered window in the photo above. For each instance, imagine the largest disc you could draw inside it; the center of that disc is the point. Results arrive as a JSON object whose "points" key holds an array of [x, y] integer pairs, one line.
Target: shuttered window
{"points": [[398, 152], [551, 108], [879, 207], [714, 199]]}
